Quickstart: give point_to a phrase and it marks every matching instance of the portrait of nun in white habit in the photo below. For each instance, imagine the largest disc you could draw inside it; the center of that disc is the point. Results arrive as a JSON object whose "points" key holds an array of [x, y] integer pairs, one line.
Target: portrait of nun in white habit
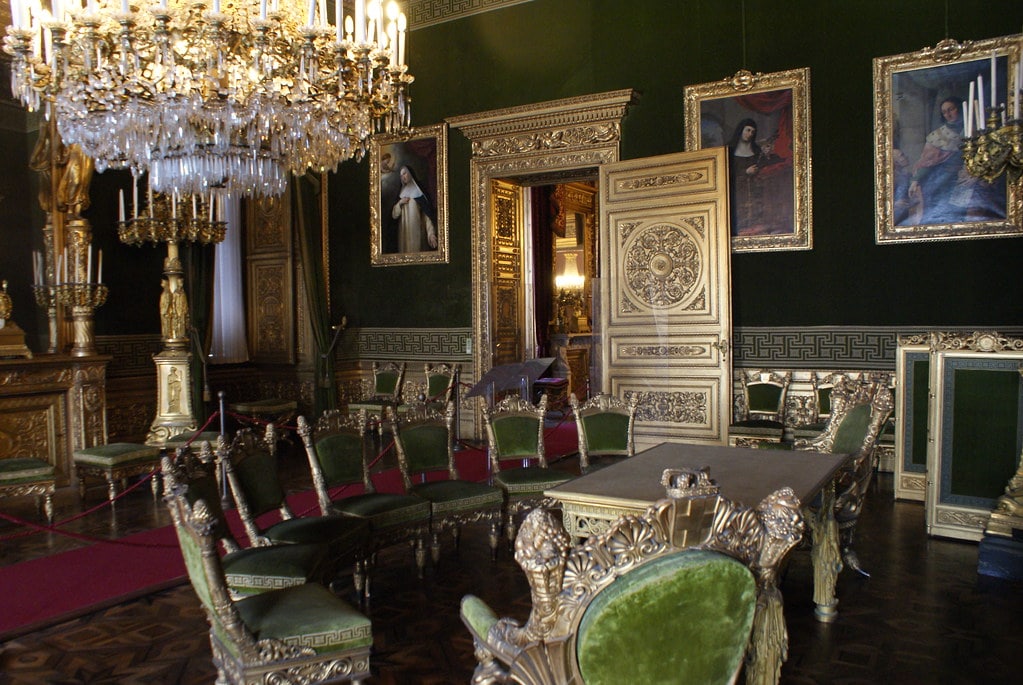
{"points": [[415, 216]]}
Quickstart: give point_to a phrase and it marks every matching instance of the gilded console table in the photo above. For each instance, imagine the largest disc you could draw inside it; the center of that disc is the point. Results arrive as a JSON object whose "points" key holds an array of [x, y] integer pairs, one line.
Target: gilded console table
{"points": [[50, 406]]}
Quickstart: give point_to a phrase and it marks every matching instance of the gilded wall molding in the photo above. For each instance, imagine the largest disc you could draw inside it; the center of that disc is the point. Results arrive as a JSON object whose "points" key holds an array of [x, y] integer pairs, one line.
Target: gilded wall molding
{"points": [[423, 13]]}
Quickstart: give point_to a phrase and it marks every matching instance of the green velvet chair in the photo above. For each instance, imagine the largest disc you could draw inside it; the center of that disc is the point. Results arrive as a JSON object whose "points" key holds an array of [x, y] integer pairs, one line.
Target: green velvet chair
{"points": [[859, 411], [250, 464], [388, 382], [761, 416], [29, 477], [605, 428], [115, 463], [298, 634], [251, 570], [423, 440], [515, 432], [337, 458], [659, 598]]}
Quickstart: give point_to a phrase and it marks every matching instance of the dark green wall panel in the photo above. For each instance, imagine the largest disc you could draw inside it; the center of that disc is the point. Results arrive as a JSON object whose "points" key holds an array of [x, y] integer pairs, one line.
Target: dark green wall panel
{"points": [[548, 49]]}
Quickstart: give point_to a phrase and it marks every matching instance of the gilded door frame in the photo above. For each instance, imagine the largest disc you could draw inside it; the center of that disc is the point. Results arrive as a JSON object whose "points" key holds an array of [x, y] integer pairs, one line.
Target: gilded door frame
{"points": [[556, 140]]}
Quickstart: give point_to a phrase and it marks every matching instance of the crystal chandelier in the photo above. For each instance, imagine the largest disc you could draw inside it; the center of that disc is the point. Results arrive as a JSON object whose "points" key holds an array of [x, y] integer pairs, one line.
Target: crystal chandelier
{"points": [[225, 96]]}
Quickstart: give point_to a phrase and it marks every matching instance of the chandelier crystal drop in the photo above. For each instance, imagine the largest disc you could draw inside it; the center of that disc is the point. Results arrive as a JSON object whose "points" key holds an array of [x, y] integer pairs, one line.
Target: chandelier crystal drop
{"points": [[225, 96]]}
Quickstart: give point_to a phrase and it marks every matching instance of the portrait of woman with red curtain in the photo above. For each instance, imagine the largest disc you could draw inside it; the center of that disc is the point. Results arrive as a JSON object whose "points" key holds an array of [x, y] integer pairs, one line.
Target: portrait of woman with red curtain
{"points": [[763, 121]]}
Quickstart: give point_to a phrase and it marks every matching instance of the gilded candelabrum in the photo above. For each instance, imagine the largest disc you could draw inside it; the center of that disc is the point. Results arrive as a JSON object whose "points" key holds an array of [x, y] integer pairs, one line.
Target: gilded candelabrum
{"points": [[172, 220], [996, 150], [83, 299], [46, 298]]}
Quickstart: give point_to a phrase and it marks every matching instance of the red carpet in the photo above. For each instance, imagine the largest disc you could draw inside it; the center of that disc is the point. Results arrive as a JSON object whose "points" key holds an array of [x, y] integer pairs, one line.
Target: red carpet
{"points": [[47, 590]]}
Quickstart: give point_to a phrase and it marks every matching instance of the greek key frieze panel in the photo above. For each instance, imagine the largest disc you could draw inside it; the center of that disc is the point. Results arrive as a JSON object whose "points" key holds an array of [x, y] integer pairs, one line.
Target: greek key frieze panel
{"points": [[867, 347], [427, 12], [427, 344], [132, 354]]}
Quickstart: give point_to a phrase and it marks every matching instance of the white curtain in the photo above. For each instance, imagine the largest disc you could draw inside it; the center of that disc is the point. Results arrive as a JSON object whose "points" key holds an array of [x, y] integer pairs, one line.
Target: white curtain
{"points": [[229, 345]]}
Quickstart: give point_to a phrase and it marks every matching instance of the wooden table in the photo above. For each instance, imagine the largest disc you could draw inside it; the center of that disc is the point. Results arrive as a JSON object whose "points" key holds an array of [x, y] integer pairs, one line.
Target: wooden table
{"points": [[590, 503]]}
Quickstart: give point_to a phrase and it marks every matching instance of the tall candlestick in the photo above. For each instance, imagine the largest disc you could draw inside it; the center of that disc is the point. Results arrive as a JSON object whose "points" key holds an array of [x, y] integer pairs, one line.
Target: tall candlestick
{"points": [[969, 112]]}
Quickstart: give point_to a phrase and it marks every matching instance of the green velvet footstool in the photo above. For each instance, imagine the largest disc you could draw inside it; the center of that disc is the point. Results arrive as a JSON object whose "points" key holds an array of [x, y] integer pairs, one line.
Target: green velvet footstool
{"points": [[117, 461], [22, 476]]}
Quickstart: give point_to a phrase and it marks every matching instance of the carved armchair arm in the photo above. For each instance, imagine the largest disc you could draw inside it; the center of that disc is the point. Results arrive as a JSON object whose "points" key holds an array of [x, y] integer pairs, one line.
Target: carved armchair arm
{"points": [[492, 658]]}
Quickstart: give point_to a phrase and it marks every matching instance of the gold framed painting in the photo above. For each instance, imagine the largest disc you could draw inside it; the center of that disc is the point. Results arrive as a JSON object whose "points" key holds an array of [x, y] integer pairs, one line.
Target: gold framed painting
{"points": [[923, 191], [764, 121], [408, 179]]}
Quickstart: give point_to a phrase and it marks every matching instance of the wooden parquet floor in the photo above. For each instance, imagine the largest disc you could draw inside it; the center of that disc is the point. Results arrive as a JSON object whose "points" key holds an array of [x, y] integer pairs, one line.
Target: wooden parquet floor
{"points": [[925, 615]]}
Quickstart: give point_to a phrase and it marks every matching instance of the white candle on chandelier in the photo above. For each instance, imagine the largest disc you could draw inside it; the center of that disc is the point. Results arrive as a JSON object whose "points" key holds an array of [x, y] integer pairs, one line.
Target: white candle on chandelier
{"points": [[402, 25], [211, 206], [338, 21], [981, 119], [312, 12], [174, 206], [135, 197], [88, 265], [994, 83], [969, 112], [360, 21], [195, 209], [16, 13], [120, 209], [124, 7], [99, 270], [149, 198], [262, 9]]}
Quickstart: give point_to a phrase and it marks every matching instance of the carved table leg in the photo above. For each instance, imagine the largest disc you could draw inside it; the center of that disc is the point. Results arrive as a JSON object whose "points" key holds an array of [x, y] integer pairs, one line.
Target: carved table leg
{"points": [[826, 556], [769, 643]]}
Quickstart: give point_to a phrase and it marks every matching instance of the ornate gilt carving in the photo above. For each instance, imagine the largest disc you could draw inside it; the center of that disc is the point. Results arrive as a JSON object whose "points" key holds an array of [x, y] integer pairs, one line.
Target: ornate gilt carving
{"points": [[671, 407], [978, 341]]}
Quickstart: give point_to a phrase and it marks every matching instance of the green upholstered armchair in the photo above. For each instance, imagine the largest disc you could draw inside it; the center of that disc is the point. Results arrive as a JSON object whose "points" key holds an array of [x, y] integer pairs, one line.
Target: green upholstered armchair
{"points": [[251, 570], [859, 411], [762, 412], [251, 467], [388, 381], [29, 476], [337, 457], [605, 427], [299, 634], [515, 432], [642, 603], [423, 440]]}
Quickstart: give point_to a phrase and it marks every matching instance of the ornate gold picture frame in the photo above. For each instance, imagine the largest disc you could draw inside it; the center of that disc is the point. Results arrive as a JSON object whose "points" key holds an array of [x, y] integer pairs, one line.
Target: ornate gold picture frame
{"points": [[764, 120], [922, 190], [408, 180]]}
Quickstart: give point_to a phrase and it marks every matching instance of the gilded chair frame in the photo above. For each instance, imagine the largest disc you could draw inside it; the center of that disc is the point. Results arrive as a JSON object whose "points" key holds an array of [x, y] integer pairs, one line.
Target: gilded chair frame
{"points": [[564, 580], [852, 481], [761, 415], [522, 491], [386, 386], [237, 654], [447, 514], [599, 405], [356, 426]]}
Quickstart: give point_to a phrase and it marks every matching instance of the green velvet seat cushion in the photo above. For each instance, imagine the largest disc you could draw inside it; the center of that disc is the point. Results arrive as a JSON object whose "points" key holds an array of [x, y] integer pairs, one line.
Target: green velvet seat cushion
{"points": [[20, 469], [338, 531], [116, 454], [683, 618], [446, 496], [260, 569], [306, 615], [267, 406], [478, 615], [529, 479], [385, 510], [606, 433]]}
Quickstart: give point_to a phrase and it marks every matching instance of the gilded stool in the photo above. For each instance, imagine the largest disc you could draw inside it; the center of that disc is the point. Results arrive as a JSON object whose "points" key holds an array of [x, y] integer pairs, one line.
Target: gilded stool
{"points": [[22, 476], [117, 461]]}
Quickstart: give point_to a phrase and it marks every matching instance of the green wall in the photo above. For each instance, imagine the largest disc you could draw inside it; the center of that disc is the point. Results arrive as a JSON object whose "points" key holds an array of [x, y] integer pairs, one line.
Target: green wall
{"points": [[549, 49]]}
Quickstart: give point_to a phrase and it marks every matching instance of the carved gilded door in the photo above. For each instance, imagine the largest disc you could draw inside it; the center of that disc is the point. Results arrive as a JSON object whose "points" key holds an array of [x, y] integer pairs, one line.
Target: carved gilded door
{"points": [[666, 293], [506, 272]]}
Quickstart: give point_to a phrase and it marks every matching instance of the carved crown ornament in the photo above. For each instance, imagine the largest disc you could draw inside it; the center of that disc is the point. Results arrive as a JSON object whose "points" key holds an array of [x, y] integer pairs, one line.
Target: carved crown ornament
{"points": [[978, 341]]}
